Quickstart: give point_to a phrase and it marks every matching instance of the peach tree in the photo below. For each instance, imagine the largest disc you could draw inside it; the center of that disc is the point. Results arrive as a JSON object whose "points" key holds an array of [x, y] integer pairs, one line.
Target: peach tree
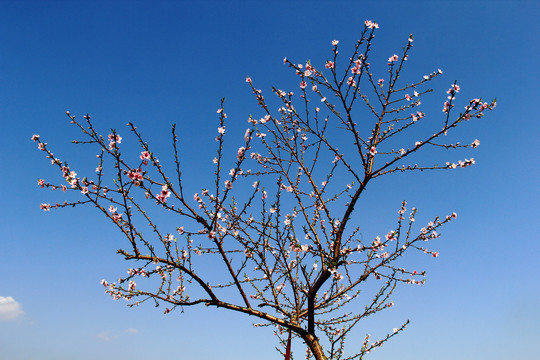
{"points": [[277, 220]]}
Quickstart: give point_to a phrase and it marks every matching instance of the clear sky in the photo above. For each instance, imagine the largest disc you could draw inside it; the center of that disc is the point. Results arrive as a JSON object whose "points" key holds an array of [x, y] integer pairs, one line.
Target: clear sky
{"points": [[172, 62]]}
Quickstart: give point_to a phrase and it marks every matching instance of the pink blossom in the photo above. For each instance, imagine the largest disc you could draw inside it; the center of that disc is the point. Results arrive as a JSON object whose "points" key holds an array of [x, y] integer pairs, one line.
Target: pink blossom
{"points": [[240, 153], [303, 85], [371, 24], [447, 106], [228, 184], [373, 151], [112, 209], [408, 97], [180, 230], [393, 58], [248, 79], [221, 130], [84, 190], [135, 175], [45, 207], [335, 42], [131, 285], [475, 143], [164, 194], [144, 155], [417, 116], [35, 137], [337, 276], [466, 162], [115, 138], [41, 183], [264, 119], [380, 81]]}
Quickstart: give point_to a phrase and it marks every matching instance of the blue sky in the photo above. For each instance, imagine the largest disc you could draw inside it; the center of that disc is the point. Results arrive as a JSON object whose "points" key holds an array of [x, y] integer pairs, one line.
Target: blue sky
{"points": [[163, 63]]}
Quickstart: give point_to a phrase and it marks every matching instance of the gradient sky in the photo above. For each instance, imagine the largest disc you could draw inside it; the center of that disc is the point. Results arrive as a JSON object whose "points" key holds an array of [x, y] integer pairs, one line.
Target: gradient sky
{"points": [[172, 62]]}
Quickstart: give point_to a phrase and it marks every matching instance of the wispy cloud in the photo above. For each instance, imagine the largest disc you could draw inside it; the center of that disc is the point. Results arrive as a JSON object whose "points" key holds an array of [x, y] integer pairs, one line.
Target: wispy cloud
{"points": [[9, 309], [105, 336]]}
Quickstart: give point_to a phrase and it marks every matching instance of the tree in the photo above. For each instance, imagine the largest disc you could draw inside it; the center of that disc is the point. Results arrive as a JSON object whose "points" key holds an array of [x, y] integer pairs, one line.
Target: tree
{"points": [[279, 222]]}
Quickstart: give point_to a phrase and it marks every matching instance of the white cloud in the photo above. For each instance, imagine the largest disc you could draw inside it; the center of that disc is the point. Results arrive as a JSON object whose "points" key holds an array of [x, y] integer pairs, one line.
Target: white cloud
{"points": [[104, 336], [9, 309], [132, 331]]}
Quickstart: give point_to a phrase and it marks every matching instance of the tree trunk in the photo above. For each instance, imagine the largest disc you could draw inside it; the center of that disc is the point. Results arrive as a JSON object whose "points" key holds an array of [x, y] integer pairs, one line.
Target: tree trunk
{"points": [[315, 347]]}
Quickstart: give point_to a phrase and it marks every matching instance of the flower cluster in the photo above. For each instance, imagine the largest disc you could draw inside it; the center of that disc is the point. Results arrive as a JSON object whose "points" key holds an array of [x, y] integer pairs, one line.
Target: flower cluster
{"points": [[392, 58], [145, 156], [113, 140], [136, 176], [371, 24], [114, 214], [461, 163], [419, 115], [454, 89], [163, 195]]}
